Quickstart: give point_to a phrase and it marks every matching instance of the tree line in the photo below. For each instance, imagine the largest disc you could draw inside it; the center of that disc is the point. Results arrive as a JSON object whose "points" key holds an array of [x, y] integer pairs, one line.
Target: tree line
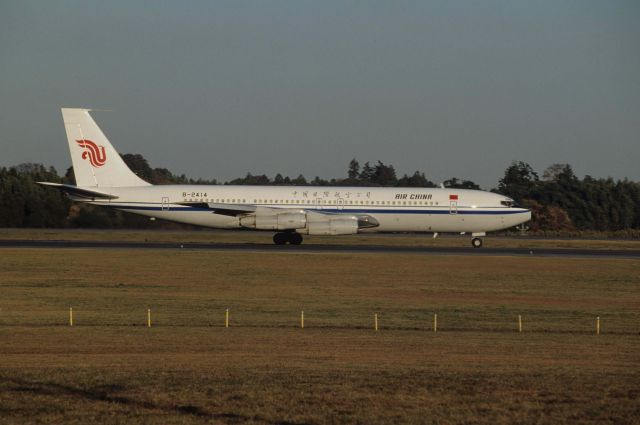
{"points": [[559, 200]]}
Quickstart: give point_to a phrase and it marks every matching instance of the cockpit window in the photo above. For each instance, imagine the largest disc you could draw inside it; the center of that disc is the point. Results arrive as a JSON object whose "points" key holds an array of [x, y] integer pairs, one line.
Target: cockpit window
{"points": [[508, 203]]}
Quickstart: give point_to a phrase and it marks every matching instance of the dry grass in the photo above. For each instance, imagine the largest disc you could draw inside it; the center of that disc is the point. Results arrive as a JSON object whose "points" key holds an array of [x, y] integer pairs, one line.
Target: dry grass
{"points": [[253, 237], [110, 368]]}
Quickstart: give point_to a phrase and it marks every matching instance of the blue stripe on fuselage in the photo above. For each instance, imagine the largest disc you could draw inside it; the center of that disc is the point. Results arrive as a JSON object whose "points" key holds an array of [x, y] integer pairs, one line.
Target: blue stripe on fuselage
{"points": [[470, 211]]}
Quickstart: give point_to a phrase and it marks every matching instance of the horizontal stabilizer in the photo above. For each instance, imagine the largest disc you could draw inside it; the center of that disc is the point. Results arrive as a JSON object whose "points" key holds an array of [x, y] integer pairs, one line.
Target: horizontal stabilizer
{"points": [[79, 192]]}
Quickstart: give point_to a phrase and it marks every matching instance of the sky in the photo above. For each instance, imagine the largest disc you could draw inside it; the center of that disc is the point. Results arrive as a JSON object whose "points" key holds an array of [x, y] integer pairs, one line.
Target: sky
{"points": [[216, 89]]}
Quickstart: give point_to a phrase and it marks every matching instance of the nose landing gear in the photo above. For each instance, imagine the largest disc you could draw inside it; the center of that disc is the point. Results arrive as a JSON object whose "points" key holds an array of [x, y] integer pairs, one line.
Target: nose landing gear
{"points": [[292, 238], [476, 242]]}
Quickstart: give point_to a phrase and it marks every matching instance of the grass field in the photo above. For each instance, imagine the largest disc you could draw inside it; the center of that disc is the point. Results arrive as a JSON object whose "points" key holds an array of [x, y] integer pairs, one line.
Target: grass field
{"points": [[187, 368]]}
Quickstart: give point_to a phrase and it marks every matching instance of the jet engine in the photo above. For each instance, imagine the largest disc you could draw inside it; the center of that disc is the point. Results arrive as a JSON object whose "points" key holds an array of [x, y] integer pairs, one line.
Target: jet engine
{"points": [[288, 220], [308, 222], [339, 225]]}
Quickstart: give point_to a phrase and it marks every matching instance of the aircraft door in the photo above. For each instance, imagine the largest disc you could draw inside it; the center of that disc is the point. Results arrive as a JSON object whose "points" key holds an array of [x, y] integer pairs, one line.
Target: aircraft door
{"points": [[319, 203], [453, 207], [340, 203], [165, 203]]}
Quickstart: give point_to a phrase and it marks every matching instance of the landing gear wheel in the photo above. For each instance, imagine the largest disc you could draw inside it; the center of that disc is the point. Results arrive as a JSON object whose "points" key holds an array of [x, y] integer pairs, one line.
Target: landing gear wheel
{"points": [[280, 238], [291, 238], [476, 242]]}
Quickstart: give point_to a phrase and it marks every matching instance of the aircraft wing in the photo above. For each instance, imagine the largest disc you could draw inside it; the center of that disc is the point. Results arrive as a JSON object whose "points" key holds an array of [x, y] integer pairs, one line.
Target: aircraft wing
{"points": [[78, 192], [222, 209], [364, 220]]}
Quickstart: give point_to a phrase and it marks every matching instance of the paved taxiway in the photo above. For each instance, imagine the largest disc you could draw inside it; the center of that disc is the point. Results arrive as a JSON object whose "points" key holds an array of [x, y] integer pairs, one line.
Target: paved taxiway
{"points": [[316, 248]]}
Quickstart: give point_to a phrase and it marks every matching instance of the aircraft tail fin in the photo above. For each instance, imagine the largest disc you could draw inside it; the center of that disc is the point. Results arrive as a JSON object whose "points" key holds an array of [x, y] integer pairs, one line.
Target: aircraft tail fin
{"points": [[96, 163]]}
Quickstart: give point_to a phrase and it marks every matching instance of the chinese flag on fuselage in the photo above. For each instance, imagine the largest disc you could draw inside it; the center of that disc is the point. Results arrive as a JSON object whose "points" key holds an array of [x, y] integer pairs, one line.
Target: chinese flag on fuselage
{"points": [[453, 197]]}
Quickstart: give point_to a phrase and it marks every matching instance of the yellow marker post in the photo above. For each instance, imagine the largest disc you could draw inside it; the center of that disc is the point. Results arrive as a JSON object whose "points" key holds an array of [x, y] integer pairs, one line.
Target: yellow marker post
{"points": [[302, 319], [375, 322], [435, 322], [70, 316], [598, 325], [148, 317], [226, 318], [519, 323]]}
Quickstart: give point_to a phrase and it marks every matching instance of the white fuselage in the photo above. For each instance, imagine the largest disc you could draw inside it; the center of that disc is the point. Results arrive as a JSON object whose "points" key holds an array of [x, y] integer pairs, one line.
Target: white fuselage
{"points": [[395, 209]]}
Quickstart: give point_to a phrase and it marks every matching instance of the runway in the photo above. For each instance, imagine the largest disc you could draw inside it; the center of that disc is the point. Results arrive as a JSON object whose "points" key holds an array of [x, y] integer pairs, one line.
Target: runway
{"points": [[327, 248]]}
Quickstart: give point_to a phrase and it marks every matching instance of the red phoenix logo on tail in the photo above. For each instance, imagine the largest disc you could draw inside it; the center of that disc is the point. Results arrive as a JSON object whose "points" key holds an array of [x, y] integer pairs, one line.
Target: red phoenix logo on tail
{"points": [[95, 153]]}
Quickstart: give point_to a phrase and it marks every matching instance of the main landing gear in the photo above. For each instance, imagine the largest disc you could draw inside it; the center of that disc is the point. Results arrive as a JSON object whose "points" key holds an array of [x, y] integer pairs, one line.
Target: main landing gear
{"points": [[476, 242], [292, 238]]}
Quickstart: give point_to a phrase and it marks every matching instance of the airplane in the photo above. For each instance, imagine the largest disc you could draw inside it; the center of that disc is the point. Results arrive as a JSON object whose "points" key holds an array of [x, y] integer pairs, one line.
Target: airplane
{"points": [[103, 179]]}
